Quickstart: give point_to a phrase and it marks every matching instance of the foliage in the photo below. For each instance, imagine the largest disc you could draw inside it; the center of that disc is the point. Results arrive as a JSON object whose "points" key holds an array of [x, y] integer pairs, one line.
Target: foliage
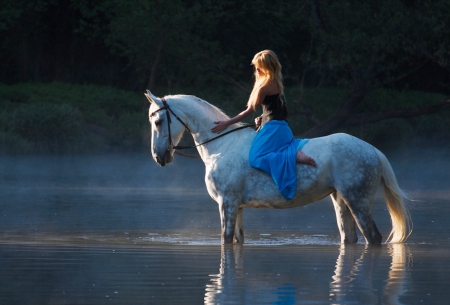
{"points": [[63, 118], [375, 43], [48, 126], [179, 45], [336, 55], [66, 118], [394, 133], [184, 44]]}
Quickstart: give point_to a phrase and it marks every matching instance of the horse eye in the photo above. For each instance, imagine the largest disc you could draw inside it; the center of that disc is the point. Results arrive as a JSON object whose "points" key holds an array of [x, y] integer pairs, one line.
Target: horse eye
{"points": [[157, 123]]}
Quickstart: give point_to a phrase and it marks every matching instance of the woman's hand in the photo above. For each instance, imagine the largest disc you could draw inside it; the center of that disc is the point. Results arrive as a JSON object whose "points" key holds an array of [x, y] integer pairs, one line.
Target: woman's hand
{"points": [[220, 126], [258, 121]]}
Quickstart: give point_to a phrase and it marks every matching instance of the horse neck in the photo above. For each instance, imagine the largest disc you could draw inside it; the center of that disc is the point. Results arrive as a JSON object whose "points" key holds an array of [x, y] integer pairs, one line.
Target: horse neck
{"points": [[200, 117]]}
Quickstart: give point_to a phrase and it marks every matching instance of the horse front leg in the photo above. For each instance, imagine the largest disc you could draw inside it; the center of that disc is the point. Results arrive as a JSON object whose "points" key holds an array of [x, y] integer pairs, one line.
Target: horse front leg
{"points": [[229, 210]]}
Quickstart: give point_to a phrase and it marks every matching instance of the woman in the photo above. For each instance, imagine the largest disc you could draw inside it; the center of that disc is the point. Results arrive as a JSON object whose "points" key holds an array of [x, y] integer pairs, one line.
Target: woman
{"points": [[274, 149]]}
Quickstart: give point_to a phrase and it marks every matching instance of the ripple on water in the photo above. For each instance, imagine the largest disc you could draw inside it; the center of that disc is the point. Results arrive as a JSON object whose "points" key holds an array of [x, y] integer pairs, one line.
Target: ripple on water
{"points": [[252, 240]]}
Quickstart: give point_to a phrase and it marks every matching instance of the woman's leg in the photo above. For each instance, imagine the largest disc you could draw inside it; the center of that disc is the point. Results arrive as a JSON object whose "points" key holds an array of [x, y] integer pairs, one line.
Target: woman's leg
{"points": [[304, 159]]}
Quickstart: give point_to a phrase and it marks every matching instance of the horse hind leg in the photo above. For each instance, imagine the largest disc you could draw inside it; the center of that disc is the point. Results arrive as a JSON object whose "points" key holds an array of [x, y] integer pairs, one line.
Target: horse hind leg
{"points": [[367, 226], [239, 227], [345, 220], [361, 210]]}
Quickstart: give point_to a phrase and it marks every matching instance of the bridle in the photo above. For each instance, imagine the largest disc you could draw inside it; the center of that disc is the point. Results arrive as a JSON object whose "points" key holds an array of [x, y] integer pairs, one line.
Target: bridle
{"points": [[169, 121]]}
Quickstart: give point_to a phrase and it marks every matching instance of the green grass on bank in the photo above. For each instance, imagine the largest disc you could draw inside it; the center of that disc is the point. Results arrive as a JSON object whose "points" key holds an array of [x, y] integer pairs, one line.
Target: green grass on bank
{"points": [[66, 118]]}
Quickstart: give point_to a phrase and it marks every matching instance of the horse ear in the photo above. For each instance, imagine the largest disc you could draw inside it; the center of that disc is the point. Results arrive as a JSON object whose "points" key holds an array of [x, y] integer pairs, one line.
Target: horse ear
{"points": [[151, 98]]}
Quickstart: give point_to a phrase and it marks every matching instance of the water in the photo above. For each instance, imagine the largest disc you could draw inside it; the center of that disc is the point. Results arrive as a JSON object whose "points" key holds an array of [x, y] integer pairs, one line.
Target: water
{"points": [[118, 229]]}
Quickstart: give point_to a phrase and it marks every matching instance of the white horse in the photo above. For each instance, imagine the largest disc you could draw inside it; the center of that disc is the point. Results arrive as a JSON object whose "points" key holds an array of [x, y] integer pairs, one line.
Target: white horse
{"points": [[348, 169]]}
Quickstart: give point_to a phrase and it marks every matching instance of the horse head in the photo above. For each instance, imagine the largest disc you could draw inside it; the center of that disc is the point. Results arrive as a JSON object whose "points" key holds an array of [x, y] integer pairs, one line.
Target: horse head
{"points": [[166, 132]]}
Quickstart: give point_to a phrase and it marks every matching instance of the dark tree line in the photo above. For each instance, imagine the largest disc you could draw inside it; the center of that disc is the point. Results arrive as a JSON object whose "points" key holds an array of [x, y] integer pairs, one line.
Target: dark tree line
{"points": [[194, 45]]}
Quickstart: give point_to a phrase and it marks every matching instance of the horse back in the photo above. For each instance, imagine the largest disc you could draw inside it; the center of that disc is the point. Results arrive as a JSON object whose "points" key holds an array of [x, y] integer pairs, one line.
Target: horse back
{"points": [[338, 156]]}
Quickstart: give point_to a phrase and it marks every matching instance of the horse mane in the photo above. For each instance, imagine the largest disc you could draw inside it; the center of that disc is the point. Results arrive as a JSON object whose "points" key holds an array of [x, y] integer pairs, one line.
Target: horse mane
{"points": [[214, 109]]}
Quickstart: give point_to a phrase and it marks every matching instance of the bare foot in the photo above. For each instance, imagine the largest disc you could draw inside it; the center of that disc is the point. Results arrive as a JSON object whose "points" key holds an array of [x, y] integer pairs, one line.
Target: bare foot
{"points": [[304, 159]]}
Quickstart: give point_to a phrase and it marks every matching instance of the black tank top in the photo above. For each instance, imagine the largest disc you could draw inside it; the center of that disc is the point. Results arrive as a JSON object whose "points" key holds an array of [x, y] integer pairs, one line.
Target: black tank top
{"points": [[274, 108]]}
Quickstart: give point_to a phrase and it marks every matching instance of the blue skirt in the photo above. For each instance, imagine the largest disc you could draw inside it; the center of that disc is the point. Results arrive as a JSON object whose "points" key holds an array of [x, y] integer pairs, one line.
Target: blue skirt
{"points": [[274, 151]]}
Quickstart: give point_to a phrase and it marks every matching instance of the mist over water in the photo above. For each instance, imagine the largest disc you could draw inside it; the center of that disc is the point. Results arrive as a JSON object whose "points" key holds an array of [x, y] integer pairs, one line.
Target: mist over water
{"points": [[97, 229]]}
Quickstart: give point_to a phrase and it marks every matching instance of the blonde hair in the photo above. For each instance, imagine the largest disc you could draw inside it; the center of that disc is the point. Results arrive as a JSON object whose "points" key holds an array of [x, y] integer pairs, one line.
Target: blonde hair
{"points": [[267, 62]]}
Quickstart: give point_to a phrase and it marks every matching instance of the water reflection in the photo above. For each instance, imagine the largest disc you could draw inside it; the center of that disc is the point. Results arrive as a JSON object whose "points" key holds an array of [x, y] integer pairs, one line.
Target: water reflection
{"points": [[355, 280], [401, 266], [224, 288], [71, 222]]}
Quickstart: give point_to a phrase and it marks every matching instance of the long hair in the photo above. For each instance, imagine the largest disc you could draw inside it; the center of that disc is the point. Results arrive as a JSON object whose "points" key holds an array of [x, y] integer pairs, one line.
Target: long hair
{"points": [[267, 62]]}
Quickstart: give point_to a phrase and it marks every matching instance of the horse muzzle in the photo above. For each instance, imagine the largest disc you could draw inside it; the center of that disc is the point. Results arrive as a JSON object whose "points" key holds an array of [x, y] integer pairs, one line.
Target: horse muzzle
{"points": [[165, 159]]}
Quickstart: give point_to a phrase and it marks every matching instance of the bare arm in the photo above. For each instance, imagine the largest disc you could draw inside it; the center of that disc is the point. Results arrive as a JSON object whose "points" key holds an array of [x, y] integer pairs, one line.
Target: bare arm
{"points": [[222, 125]]}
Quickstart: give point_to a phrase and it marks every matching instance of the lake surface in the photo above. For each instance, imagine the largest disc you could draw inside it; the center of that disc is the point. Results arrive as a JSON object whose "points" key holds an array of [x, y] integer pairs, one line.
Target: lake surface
{"points": [[118, 229]]}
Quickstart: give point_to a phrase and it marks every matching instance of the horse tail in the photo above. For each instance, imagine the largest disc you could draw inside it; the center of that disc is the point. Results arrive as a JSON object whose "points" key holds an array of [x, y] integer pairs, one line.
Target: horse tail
{"points": [[395, 201]]}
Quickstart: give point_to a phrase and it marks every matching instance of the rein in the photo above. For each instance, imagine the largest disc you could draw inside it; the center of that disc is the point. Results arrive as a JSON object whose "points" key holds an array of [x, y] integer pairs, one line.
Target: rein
{"points": [[169, 121]]}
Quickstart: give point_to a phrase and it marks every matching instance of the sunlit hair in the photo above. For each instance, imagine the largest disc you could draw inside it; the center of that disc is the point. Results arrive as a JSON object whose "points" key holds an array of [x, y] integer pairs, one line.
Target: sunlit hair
{"points": [[267, 62]]}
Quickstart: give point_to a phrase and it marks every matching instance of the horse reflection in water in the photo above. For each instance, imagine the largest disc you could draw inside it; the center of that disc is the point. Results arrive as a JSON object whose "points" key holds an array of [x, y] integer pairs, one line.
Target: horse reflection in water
{"points": [[352, 282], [223, 288]]}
